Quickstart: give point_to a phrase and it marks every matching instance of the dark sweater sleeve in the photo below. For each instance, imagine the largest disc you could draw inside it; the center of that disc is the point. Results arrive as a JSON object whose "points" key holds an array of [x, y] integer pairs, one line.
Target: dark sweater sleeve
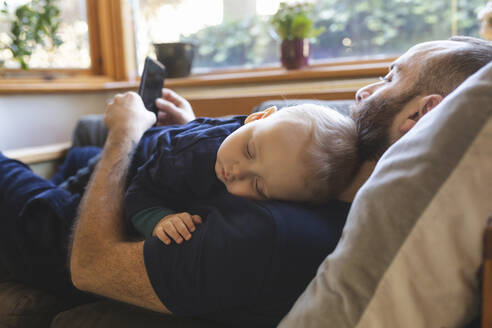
{"points": [[146, 220]]}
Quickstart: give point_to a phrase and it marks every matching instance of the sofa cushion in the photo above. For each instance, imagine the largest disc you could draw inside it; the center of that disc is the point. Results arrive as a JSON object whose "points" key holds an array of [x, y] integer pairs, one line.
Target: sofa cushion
{"points": [[90, 131], [412, 246], [24, 307], [107, 313]]}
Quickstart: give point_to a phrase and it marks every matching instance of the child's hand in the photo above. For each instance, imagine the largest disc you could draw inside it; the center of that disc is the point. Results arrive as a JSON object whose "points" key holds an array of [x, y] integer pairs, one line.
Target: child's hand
{"points": [[176, 226]]}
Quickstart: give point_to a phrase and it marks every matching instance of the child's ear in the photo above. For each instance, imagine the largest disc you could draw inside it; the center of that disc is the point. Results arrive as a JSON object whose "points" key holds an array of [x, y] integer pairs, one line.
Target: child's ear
{"points": [[425, 104], [259, 115]]}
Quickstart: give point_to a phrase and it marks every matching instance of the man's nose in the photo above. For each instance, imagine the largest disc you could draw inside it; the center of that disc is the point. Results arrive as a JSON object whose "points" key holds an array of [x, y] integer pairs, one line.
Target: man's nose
{"points": [[365, 92], [361, 95]]}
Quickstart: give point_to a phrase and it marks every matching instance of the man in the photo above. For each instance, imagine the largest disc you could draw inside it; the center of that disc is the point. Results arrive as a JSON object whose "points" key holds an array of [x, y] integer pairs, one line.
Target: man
{"points": [[104, 262]]}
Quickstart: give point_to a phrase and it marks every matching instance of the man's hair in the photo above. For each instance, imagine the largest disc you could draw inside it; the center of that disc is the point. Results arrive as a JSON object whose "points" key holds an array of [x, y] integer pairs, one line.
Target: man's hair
{"points": [[444, 74], [331, 152]]}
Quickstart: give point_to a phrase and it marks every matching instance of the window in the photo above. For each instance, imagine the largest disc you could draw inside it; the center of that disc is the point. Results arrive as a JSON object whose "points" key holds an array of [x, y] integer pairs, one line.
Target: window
{"points": [[73, 31], [236, 33]]}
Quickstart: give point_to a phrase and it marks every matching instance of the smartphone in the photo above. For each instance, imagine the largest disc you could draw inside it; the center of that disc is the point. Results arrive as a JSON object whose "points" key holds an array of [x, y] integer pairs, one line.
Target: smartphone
{"points": [[152, 82]]}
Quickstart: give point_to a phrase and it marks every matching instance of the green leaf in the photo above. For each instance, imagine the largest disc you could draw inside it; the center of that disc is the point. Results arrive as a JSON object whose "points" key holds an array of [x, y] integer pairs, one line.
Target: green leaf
{"points": [[294, 21], [35, 23]]}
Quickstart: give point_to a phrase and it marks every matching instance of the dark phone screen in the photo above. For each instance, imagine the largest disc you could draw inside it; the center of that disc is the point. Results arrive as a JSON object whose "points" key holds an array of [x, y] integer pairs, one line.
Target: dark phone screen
{"points": [[151, 83]]}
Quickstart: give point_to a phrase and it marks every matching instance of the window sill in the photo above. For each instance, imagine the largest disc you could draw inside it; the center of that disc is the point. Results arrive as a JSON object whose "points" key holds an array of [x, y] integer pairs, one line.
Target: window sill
{"points": [[72, 85], [279, 74], [32, 155], [332, 71]]}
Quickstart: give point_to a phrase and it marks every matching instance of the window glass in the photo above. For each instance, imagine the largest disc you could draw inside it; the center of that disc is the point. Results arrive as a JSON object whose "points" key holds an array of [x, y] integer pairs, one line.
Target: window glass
{"points": [[73, 31], [236, 33]]}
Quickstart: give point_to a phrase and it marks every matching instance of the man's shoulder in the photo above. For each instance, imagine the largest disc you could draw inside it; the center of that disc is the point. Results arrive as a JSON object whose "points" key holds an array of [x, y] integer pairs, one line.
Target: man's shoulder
{"points": [[319, 225], [272, 248], [279, 222]]}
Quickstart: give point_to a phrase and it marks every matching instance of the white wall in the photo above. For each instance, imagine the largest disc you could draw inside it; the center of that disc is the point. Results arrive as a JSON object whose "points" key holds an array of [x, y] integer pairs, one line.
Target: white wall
{"points": [[40, 119]]}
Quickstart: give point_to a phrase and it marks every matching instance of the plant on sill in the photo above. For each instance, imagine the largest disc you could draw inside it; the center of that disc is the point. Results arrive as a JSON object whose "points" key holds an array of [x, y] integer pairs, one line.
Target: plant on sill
{"points": [[33, 24], [294, 26]]}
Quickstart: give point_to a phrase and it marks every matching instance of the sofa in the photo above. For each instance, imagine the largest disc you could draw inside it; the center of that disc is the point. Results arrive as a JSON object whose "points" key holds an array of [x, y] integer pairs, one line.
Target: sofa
{"points": [[358, 285]]}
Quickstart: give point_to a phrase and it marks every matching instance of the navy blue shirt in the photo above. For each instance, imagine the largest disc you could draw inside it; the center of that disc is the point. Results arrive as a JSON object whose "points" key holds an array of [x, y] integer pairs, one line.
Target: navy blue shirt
{"points": [[247, 263], [173, 166]]}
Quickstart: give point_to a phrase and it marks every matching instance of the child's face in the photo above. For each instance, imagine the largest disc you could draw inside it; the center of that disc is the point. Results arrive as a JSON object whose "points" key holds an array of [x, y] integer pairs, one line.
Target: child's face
{"points": [[262, 159]]}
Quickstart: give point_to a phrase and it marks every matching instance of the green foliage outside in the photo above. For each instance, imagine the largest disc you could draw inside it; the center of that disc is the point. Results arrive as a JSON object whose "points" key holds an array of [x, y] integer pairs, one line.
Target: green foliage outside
{"points": [[366, 27], [34, 24]]}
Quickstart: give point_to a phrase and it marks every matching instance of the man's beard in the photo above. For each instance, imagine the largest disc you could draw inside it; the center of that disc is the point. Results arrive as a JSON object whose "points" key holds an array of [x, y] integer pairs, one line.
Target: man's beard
{"points": [[374, 118]]}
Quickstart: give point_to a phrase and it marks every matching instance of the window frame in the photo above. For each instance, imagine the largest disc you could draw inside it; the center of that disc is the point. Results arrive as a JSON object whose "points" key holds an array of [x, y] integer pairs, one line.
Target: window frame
{"points": [[112, 61], [113, 64]]}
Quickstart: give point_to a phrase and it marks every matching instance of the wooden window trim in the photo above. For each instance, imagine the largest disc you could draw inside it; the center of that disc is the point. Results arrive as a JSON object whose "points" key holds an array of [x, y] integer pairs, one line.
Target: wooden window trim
{"points": [[112, 59], [114, 66], [82, 83]]}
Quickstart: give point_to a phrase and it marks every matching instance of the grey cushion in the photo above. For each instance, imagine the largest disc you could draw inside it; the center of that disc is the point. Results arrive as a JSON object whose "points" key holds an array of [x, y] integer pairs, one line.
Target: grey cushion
{"points": [[411, 249], [90, 131]]}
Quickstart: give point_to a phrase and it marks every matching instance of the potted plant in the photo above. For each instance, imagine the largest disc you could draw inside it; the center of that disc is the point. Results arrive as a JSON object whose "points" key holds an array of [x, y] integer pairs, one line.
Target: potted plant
{"points": [[32, 24], [294, 26], [176, 56]]}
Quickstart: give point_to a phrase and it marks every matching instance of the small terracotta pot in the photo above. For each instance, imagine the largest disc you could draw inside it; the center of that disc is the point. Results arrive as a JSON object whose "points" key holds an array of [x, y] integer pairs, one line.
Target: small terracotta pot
{"points": [[294, 53]]}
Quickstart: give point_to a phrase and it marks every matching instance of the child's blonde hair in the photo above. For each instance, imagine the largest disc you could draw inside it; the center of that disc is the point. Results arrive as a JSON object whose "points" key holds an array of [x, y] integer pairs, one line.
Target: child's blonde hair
{"points": [[331, 152]]}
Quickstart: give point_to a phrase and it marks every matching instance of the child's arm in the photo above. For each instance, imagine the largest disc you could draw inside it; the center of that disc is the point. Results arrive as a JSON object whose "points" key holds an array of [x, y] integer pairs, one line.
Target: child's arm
{"points": [[146, 220], [177, 226]]}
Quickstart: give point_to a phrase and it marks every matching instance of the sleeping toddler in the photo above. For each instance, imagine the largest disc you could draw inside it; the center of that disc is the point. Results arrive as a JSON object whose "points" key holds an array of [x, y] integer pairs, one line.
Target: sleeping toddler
{"points": [[305, 153]]}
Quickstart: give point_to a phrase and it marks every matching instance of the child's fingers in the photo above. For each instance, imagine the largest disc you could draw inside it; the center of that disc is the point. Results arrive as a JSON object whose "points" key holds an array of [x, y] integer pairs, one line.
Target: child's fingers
{"points": [[182, 229], [171, 231], [196, 218], [161, 234], [188, 221]]}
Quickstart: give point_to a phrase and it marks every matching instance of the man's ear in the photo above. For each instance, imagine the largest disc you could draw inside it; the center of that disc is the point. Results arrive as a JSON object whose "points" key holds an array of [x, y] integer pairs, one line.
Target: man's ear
{"points": [[424, 105], [259, 115]]}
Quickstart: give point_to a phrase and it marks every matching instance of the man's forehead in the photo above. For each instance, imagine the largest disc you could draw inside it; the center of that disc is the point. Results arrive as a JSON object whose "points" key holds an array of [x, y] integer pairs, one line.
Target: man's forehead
{"points": [[422, 52], [430, 49]]}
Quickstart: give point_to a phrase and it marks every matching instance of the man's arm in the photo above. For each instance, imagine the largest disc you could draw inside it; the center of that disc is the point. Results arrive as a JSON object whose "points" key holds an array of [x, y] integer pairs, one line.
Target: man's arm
{"points": [[102, 260]]}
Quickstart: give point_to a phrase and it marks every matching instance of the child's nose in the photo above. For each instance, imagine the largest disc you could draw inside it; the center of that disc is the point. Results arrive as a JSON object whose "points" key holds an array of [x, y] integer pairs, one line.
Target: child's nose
{"points": [[238, 171]]}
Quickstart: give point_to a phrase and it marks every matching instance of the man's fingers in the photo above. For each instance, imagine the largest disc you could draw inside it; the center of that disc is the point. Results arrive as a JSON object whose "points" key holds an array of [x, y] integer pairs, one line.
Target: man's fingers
{"points": [[166, 106], [171, 231], [196, 218], [161, 234], [173, 97], [161, 116]]}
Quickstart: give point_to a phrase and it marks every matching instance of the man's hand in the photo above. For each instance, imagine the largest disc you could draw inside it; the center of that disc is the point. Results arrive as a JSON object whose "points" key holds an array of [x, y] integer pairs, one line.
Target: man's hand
{"points": [[173, 109], [126, 113], [176, 226]]}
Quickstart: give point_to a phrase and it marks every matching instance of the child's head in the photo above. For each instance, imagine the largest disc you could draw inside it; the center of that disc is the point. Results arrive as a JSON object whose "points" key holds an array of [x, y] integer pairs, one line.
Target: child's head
{"points": [[302, 153]]}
